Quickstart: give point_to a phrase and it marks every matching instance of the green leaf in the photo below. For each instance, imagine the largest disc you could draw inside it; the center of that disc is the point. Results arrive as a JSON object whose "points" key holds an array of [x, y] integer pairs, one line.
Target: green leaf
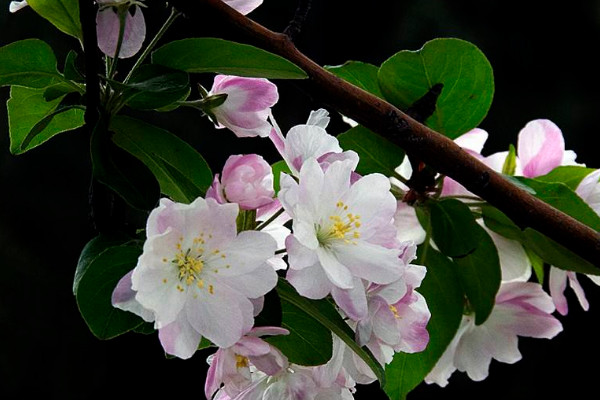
{"points": [[205, 344], [457, 235], [93, 290], [60, 90], [71, 71], [27, 108], [510, 164], [155, 87], [570, 175], [376, 153], [92, 249], [323, 312], [121, 172], [41, 125], [498, 222], [537, 264], [406, 371], [222, 56], [360, 74], [63, 14], [30, 63], [454, 229], [560, 196], [460, 66], [147, 328], [279, 167], [309, 342], [539, 247], [480, 276], [181, 171], [557, 255]]}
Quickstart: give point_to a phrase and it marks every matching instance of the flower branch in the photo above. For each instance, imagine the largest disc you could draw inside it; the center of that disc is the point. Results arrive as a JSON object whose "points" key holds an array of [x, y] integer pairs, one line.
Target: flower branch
{"points": [[415, 138]]}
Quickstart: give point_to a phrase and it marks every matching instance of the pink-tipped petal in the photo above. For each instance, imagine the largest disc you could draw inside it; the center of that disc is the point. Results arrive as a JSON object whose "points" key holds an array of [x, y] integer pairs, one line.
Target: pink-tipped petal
{"points": [[540, 147]]}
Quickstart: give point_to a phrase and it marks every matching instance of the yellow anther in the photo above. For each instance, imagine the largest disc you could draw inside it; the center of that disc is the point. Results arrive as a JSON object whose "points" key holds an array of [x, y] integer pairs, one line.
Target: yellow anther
{"points": [[211, 289], [394, 311], [241, 361]]}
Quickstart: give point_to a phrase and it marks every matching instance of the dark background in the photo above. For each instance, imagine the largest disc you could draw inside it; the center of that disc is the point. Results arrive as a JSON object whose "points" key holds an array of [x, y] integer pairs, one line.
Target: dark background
{"points": [[545, 62]]}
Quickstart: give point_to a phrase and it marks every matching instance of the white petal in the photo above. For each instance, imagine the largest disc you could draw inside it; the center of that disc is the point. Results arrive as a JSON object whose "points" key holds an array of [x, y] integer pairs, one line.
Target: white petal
{"points": [[352, 301], [473, 140], [371, 262], [300, 256], [310, 282], [179, 338], [319, 118], [514, 261], [242, 255], [123, 297], [408, 226], [337, 273], [222, 315], [256, 283]]}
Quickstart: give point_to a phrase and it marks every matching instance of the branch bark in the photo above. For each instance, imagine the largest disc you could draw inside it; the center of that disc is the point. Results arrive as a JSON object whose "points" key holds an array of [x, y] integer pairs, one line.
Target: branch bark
{"points": [[415, 138]]}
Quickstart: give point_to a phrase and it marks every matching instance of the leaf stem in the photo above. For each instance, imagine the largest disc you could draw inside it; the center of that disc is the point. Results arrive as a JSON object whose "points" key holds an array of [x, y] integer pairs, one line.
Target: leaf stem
{"points": [[172, 17]]}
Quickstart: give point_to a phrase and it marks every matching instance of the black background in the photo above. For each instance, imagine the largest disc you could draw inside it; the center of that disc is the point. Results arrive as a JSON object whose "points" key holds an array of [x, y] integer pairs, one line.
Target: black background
{"points": [[545, 63]]}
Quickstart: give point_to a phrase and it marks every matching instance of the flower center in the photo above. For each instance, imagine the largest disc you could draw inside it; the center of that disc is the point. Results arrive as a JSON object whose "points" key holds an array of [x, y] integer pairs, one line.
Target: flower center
{"points": [[191, 263], [343, 226], [241, 361]]}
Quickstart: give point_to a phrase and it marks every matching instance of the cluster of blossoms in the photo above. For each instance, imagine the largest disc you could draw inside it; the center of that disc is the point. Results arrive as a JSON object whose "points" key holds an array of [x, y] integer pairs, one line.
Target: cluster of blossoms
{"points": [[199, 277], [350, 240], [328, 231], [522, 308]]}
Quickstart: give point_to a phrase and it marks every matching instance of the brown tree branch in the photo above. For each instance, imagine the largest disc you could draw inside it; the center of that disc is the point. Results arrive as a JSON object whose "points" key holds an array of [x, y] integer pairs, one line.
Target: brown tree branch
{"points": [[415, 138]]}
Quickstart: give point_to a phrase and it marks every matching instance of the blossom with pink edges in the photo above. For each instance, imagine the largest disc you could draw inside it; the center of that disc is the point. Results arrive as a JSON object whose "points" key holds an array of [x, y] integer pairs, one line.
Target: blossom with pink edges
{"points": [[343, 235], [247, 107], [540, 149], [521, 309], [397, 317], [230, 368], [198, 276], [309, 140]]}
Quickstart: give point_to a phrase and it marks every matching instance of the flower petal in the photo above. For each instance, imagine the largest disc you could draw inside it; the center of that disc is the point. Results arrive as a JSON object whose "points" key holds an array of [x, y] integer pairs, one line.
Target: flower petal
{"points": [[222, 315], [540, 147], [310, 282], [352, 301], [108, 27], [179, 338]]}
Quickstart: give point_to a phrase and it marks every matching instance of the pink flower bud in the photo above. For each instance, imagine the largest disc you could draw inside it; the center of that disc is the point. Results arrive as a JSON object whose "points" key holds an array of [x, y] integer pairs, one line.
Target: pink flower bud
{"points": [[247, 106], [246, 180], [108, 26]]}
